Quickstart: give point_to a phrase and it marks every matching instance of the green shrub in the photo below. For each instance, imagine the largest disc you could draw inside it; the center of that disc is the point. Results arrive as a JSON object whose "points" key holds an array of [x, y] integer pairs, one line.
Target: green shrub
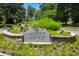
{"points": [[9, 25], [47, 48], [1, 25], [77, 37], [16, 29], [6, 43], [1, 37], [65, 33], [54, 33], [24, 50], [45, 23]]}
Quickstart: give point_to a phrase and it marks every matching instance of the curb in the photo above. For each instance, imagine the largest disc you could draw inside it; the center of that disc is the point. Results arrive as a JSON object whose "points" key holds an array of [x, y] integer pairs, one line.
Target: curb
{"points": [[2, 54]]}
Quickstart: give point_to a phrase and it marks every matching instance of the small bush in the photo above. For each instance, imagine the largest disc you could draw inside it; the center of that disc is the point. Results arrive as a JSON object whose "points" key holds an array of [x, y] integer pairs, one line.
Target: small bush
{"points": [[6, 43], [1, 37], [9, 25], [65, 33], [54, 33], [16, 29], [45, 23], [1, 25]]}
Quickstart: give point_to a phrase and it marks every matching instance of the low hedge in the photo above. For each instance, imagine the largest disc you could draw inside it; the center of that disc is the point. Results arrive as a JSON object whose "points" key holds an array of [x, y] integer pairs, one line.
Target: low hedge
{"points": [[45, 23], [9, 25], [16, 29]]}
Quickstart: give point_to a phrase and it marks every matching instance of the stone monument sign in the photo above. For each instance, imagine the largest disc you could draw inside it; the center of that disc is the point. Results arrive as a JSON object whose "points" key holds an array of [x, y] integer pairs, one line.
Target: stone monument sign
{"points": [[36, 35]]}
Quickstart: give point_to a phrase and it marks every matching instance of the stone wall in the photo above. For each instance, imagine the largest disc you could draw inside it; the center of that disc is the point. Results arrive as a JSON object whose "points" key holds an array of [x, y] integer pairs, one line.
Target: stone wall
{"points": [[63, 39], [53, 39]]}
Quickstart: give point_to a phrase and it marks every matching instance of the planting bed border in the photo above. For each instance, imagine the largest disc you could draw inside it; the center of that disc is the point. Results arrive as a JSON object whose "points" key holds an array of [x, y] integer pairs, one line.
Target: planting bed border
{"points": [[53, 39], [63, 39]]}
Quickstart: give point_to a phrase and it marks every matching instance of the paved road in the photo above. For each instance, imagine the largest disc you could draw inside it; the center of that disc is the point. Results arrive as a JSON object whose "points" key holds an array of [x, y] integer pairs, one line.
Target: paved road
{"points": [[75, 32]]}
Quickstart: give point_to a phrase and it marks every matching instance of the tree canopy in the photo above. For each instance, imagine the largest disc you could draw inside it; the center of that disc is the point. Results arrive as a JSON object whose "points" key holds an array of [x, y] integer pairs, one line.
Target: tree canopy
{"points": [[11, 13], [30, 12], [61, 11]]}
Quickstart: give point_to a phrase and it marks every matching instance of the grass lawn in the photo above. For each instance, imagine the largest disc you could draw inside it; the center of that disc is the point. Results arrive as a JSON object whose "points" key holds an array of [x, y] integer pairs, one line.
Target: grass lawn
{"points": [[71, 28]]}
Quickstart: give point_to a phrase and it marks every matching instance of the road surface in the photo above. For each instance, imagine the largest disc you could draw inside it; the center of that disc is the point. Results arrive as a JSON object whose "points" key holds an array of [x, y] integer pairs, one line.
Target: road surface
{"points": [[73, 31]]}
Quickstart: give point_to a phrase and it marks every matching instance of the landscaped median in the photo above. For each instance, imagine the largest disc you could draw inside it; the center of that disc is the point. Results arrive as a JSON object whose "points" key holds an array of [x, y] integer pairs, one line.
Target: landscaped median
{"points": [[55, 36], [10, 47]]}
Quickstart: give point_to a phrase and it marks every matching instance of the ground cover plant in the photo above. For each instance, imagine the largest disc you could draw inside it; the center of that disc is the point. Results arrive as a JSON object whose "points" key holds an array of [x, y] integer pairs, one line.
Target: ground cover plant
{"points": [[55, 33], [10, 47], [16, 29]]}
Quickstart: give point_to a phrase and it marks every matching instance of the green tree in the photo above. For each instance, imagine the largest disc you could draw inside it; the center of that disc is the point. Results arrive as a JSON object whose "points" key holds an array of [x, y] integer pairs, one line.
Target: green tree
{"points": [[30, 12], [11, 12], [38, 15], [48, 9], [75, 12], [68, 10], [63, 12]]}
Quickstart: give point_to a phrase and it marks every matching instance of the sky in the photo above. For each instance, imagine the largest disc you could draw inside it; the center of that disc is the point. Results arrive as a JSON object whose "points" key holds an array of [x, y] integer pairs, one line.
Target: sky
{"points": [[35, 5]]}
